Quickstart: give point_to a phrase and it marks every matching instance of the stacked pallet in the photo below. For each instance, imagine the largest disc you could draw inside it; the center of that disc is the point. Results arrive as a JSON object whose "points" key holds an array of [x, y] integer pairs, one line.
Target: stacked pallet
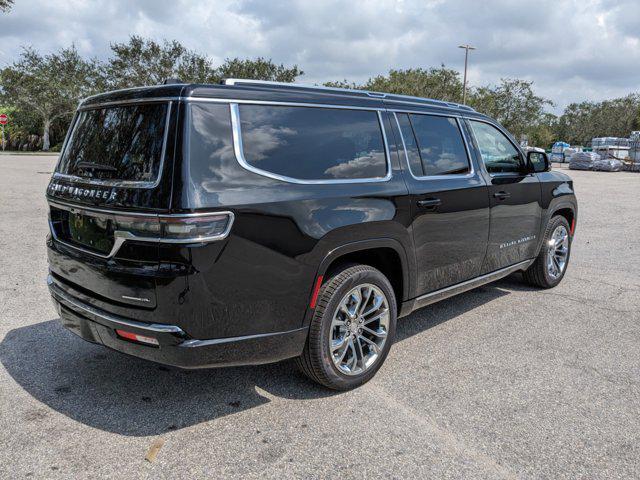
{"points": [[583, 160], [634, 147], [557, 152], [633, 163], [607, 165]]}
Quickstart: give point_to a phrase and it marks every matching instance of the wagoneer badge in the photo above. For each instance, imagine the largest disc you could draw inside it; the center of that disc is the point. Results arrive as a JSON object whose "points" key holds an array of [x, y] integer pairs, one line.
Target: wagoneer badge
{"points": [[78, 192]]}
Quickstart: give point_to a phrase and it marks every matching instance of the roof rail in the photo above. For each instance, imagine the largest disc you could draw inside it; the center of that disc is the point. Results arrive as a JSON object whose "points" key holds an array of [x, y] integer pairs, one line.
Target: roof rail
{"points": [[236, 81], [382, 95]]}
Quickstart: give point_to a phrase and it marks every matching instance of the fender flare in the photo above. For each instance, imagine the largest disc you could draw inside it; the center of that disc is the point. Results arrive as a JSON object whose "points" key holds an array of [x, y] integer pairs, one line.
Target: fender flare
{"points": [[370, 244], [362, 245], [551, 211], [562, 205]]}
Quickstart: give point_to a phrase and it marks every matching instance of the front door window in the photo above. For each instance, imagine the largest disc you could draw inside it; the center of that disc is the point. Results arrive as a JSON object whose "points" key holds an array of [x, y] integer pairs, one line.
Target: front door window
{"points": [[498, 153]]}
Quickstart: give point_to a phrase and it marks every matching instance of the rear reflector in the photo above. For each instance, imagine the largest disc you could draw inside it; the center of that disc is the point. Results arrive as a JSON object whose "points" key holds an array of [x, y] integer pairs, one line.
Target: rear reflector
{"points": [[573, 225], [137, 338], [316, 291]]}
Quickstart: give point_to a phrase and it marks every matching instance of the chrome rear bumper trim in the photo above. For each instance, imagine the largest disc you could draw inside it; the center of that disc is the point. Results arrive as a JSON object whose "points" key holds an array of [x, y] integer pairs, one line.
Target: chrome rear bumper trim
{"points": [[61, 296]]}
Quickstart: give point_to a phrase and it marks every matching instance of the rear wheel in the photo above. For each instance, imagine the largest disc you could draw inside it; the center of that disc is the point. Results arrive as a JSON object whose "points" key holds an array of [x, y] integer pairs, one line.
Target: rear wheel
{"points": [[549, 268], [352, 329]]}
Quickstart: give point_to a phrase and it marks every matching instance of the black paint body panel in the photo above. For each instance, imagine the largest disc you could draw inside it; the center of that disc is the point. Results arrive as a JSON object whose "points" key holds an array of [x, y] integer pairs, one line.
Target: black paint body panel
{"points": [[259, 280]]}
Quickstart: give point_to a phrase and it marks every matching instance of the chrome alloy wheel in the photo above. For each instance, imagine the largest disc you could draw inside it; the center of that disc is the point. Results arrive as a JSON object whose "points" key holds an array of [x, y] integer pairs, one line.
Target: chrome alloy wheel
{"points": [[359, 329], [558, 251]]}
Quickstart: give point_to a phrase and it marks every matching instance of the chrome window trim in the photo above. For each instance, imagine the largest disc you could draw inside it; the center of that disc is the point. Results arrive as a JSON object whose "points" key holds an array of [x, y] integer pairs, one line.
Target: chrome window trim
{"points": [[507, 135], [382, 108], [119, 183], [239, 152], [470, 174]]}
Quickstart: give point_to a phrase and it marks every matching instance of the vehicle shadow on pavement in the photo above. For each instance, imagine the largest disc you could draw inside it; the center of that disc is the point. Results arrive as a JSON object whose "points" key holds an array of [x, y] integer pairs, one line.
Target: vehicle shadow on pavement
{"points": [[440, 312], [129, 396]]}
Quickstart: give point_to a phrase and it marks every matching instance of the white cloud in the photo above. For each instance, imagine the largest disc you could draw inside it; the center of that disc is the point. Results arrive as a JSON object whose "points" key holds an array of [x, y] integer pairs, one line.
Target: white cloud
{"points": [[573, 50]]}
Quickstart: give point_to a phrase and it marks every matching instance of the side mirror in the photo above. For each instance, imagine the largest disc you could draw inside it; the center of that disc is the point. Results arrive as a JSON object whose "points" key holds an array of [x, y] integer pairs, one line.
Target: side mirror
{"points": [[538, 161]]}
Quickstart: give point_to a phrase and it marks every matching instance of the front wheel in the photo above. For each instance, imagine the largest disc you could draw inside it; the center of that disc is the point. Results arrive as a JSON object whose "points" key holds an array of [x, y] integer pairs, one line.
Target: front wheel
{"points": [[551, 264], [352, 329]]}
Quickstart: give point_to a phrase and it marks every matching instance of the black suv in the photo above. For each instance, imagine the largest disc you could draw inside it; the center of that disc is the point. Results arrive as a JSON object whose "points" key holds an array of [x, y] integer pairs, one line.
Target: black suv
{"points": [[250, 222]]}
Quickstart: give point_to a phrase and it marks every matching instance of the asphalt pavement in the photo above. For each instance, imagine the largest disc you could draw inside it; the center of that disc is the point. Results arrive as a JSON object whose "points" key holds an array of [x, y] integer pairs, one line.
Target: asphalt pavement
{"points": [[504, 381]]}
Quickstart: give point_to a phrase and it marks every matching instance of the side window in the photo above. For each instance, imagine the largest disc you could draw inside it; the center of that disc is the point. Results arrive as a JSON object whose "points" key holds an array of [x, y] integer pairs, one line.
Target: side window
{"points": [[309, 143], [498, 153], [440, 144], [410, 145], [210, 143]]}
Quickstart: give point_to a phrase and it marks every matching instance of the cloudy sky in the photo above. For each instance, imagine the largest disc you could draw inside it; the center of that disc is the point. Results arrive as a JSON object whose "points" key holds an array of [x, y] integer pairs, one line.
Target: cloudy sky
{"points": [[572, 50]]}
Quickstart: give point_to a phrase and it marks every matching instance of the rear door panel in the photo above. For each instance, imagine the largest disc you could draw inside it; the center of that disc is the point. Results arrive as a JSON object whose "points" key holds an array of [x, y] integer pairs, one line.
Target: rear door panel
{"points": [[450, 224]]}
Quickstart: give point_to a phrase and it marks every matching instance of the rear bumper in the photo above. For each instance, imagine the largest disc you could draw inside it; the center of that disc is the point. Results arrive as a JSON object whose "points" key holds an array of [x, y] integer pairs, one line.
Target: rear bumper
{"points": [[176, 347]]}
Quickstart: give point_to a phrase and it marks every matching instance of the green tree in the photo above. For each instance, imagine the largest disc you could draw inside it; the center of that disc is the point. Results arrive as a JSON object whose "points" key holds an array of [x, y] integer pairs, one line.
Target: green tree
{"points": [[543, 133], [49, 86], [22, 126], [342, 84], [636, 122], [5, 5], [583, 121], [140, 62], [438, 83], [258, 69], [513, 103]]}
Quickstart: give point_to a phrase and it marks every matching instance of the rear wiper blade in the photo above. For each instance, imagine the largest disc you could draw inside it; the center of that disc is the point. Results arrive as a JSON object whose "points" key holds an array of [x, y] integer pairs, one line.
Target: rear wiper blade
{"points": [[96, 166]]}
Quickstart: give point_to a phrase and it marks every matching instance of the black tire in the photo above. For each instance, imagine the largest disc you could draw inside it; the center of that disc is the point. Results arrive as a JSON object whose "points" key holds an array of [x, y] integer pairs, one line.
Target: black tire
{"points": [[316, 361], [538, 274]]}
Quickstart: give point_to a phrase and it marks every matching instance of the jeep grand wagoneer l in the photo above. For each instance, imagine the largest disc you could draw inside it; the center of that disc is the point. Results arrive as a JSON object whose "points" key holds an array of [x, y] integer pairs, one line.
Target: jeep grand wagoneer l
{"points": [[250, 222]]}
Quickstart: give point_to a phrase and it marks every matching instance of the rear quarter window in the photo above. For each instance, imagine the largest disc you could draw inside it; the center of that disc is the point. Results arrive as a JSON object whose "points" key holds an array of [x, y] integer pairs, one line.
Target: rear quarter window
{"points": [[309, 143]]}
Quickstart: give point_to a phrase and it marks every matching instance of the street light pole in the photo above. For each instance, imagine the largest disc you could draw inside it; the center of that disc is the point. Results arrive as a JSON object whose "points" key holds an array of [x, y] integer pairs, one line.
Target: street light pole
{"points": [[466, 60]]}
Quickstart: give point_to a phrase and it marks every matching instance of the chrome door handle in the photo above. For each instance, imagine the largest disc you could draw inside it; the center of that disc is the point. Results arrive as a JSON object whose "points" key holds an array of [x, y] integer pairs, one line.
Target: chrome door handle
{"points": [[501, 195], [429, 202]]}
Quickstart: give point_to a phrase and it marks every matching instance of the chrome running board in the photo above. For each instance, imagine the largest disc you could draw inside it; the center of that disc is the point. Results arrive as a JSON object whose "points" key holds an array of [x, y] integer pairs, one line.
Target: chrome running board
{"points": [[447, 292]]}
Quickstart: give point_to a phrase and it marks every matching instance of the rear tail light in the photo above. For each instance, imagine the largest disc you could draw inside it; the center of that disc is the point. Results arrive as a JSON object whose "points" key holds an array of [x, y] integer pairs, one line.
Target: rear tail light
{"points": [[134, 337], [188, 228], [196, 228], [95, 228]]}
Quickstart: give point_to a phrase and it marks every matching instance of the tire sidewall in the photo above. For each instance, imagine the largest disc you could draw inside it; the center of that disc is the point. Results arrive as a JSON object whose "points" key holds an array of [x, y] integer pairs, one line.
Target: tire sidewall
{"points": [[553, 224], [362, 276]]}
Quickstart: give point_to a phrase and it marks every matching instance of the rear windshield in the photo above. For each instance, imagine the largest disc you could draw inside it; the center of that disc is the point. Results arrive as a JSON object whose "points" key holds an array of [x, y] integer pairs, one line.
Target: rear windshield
{"points": [[119, 143]]}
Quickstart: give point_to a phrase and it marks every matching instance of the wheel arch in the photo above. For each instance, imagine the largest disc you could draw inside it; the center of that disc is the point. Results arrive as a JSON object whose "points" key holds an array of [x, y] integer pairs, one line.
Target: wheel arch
{"points": [[567, 209], [385, 254]]}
